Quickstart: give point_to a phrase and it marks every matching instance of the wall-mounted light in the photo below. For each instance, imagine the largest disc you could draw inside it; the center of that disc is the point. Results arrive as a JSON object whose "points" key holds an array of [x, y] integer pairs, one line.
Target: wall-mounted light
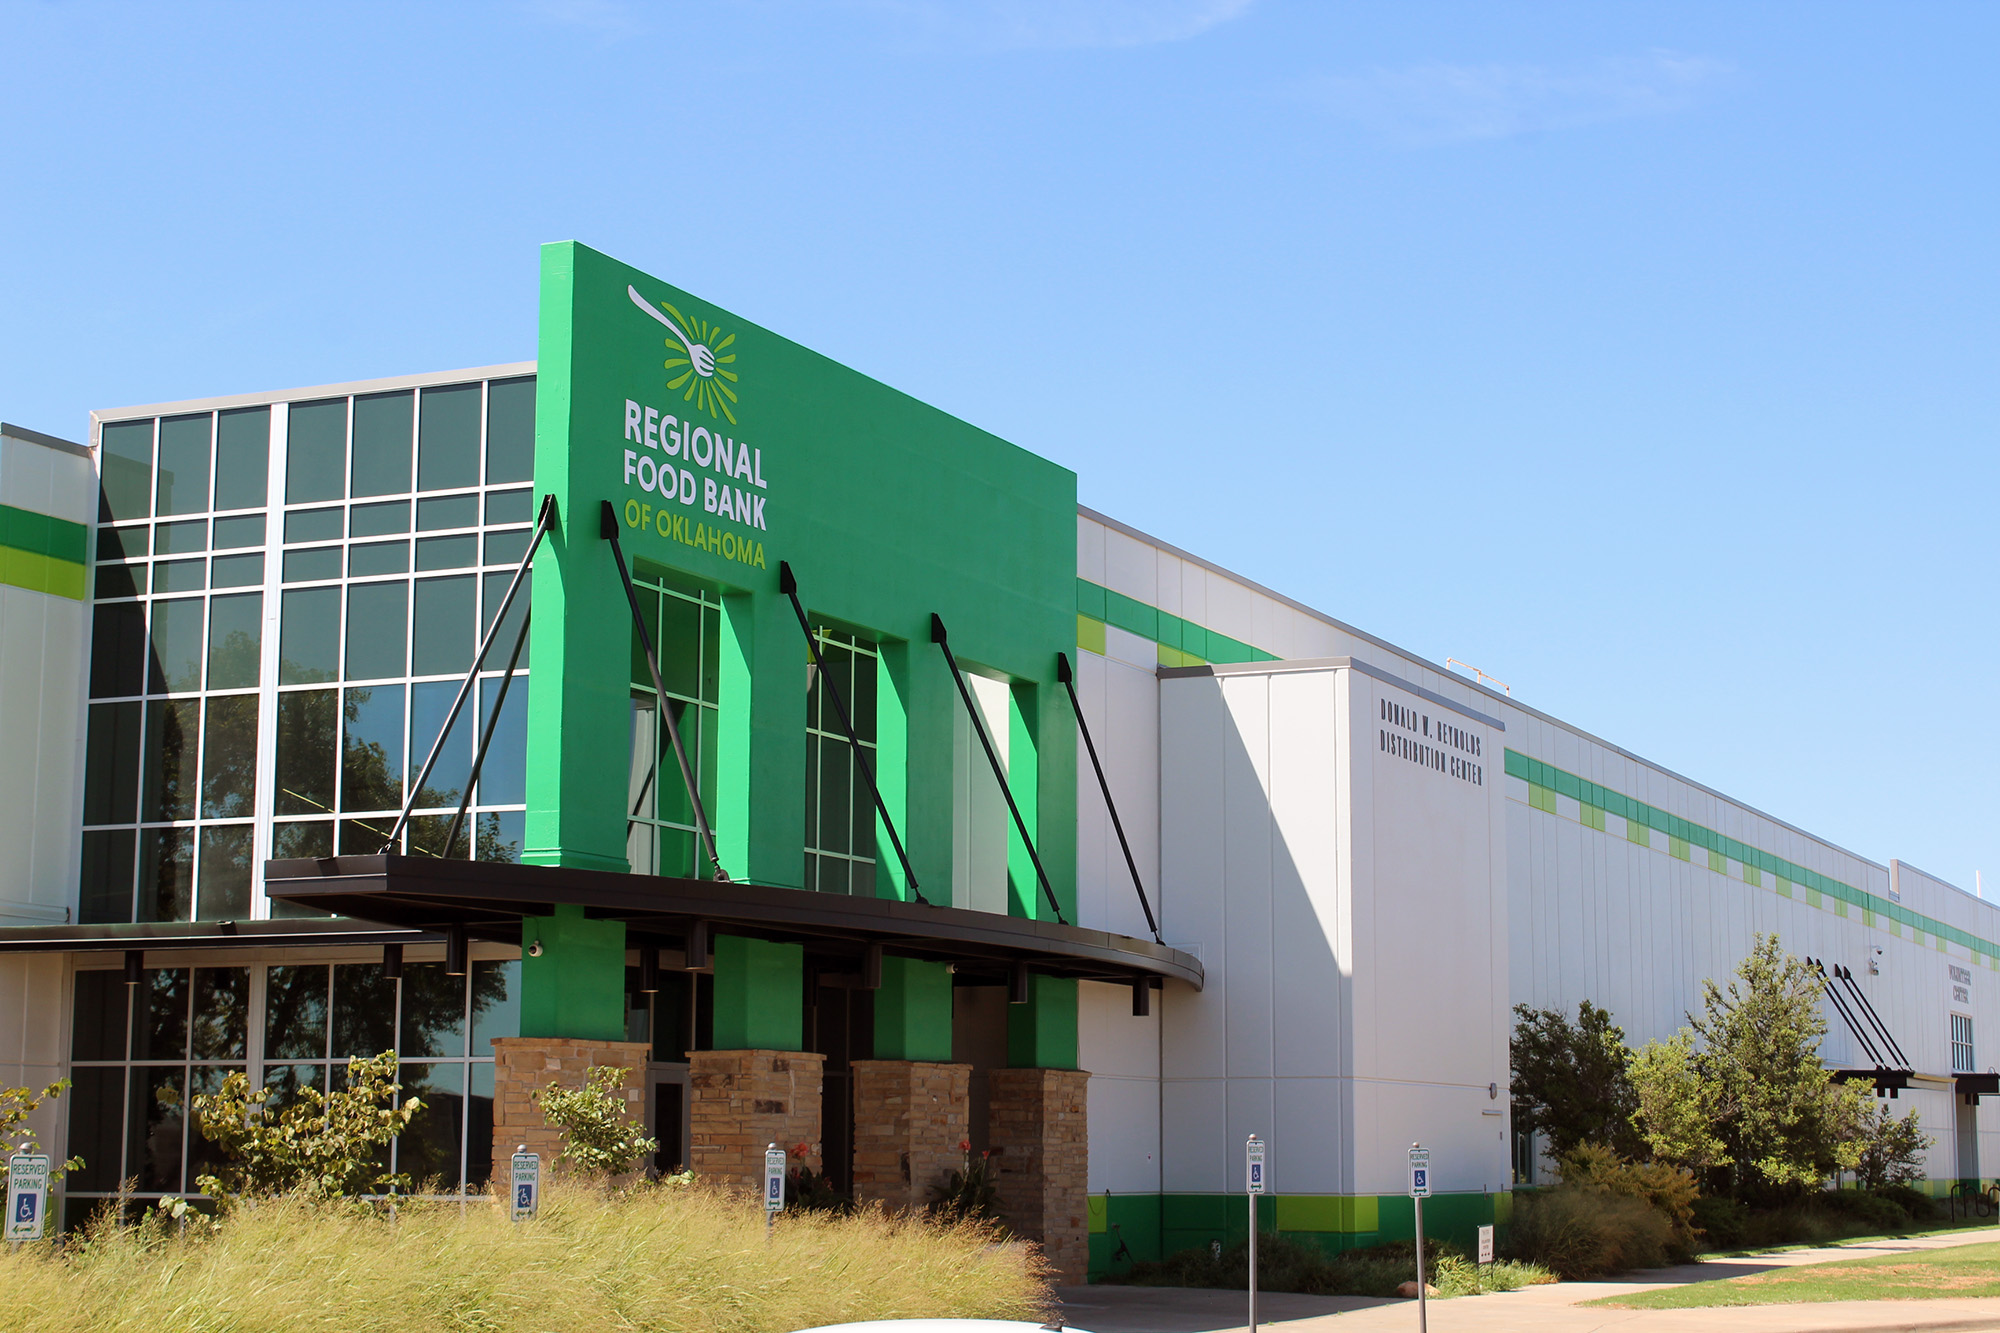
{"points": [[454, 951], [392, 962], [649, 968], [135, 966]]}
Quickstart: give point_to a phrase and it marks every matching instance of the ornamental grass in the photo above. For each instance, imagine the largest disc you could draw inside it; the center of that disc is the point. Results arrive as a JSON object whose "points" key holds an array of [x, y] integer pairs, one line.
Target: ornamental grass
{"points": [[648, 1259]]}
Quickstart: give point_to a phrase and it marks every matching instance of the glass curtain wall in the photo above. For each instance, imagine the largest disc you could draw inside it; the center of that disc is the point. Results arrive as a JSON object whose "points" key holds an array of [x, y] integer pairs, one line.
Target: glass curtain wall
{"points": [[280, 630], [685, 625], [840, 809], [139, 1052]]}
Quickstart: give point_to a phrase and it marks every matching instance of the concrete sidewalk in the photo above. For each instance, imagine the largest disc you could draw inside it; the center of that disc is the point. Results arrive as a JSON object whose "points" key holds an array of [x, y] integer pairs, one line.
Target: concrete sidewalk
{"points": [[1550, 1309]]}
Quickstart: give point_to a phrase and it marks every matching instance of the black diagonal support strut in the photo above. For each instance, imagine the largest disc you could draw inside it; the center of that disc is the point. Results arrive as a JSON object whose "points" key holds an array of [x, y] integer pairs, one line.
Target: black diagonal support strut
{"points": [[1894, 1047], [486, 742], [1840, 1007], [608, 529], [788, 584], [993, 758], [1067, 677], [543, 522]]}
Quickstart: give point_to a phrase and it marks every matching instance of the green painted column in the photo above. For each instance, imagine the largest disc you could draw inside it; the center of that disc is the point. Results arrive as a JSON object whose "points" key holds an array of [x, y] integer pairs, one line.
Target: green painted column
{"points": [[1041, 1034], [931, 700], [576, 986], [1055, 796], [759, 994], [892, 766], [913, 1011]]}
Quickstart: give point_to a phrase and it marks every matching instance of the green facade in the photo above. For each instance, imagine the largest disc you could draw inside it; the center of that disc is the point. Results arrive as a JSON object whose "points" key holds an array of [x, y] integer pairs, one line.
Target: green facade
{"points": [[888, 511]]}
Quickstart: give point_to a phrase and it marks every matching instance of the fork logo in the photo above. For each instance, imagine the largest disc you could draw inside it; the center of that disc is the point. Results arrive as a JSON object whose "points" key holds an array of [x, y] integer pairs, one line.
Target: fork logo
{"points": [[698, 358]]}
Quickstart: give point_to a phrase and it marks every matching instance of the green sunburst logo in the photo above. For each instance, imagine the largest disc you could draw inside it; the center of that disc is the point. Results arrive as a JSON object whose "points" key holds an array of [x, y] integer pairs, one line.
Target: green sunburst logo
{"points": [[699, 358]]}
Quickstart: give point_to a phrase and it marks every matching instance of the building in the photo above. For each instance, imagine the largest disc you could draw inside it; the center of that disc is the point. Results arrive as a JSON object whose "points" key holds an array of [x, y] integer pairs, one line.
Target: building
{"points": [[762, 777]]}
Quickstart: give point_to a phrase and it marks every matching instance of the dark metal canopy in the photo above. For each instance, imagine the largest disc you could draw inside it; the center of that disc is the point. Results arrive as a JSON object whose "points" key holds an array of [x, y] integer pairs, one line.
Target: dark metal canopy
{"points": [[488, 900], [1974, 1086]]}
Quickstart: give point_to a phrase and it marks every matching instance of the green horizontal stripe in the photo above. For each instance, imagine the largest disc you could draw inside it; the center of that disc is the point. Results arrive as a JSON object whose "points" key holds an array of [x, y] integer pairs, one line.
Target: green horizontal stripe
{"points": [[1587, 793], [42, 534], [1163, 628]]}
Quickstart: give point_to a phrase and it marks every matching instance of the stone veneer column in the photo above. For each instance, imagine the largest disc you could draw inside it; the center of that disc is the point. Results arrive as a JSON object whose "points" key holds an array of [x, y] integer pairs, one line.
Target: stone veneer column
{"points": [[1038, 1128], [745, 1100], [523, 1066], [909, 1118]]}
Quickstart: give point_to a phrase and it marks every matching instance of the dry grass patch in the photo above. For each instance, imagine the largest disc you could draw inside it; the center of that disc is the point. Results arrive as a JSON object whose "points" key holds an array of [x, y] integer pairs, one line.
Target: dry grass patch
{"points": [[654, 1260]]}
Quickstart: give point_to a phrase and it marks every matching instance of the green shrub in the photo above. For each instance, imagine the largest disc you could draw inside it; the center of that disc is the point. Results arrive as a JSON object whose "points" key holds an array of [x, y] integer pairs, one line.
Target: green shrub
{"points": [[1286, 1265], [1866, 1208], [1724, 1223], [1919, 1205], [1584, 1233], [326, 1144], [1670, 1190], [599, 1136]]}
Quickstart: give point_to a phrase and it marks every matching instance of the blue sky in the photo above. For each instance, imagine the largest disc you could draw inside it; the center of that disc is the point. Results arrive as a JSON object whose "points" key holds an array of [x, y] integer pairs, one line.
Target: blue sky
{"points": [[1640, 354]]}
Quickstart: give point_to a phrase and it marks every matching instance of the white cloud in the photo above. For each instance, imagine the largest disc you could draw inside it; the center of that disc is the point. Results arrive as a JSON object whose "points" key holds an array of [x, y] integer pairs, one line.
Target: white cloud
{"points": [[1057, 24], [1439, 103]]}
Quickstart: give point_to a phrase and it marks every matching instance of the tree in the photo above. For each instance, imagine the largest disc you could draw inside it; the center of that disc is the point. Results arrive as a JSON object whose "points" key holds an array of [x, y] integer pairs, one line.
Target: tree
{"points": [[598, 1138], [325, 1145], [1569, 1080], [1891, 1150], [16, 1105], [1741, 1093]]}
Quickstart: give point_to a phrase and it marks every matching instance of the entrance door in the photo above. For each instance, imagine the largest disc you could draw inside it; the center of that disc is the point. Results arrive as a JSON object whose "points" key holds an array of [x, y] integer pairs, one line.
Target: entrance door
{"points": [[1968, 1139], [667, 1115]]}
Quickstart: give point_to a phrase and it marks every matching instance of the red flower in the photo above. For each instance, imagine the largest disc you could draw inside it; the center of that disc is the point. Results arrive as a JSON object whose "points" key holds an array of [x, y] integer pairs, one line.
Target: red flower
{"points": [[801, 1149], [965, 1145]]}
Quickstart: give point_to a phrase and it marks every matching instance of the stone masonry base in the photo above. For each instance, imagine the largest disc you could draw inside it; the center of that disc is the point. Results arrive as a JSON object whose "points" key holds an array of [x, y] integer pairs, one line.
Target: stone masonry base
{"points": [[1038, 1128], [523, 1066], [744, 1100], [909, 1118]]}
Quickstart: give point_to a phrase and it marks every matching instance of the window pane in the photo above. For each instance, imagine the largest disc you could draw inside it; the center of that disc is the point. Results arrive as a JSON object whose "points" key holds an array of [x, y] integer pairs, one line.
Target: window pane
{"points": [[242, 458], [203, 1157], [166, 874], [172, 731], [221, 1013], [316, 451], [444, 623], [235, 636], [121, 543], [507, 548], [309, 636], [180, 538], [679, 645], [510, 430], [154, 1129], [448, 552], [295, 1012], [500, 836], [372, 751], [429, 1148], [232, 533], [375, 614], [447, 511], [479, 1127], [379, 520], [861, 703], [382, 443], [105, 894], [494, 589], [161, 1030], [510, 507], [184, 455], [365, 837], [301, 839], [119, 581], [313, 525], [364, 1010], [833, 795], [448, 438], [433, 1011], [430, 703], [127, 483], [428, 832], [111, 764], [97, 1126], [286, 1080], [118, 651], [238, 571], [180, 576], [380, 558], [176, 657], [308, 722], [503, 777], [312, 566], [229, 758]]}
